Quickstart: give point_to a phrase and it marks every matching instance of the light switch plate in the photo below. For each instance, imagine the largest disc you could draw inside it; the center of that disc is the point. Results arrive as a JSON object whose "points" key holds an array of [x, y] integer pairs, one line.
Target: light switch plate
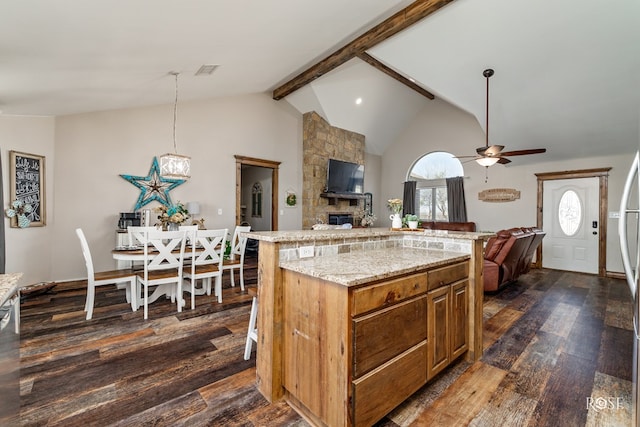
{"points": [[305, 251]]}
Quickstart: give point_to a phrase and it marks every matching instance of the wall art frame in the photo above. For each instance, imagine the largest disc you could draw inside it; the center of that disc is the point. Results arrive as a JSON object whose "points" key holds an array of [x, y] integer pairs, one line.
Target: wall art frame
{"points": [[291, 199], [27, 183]]}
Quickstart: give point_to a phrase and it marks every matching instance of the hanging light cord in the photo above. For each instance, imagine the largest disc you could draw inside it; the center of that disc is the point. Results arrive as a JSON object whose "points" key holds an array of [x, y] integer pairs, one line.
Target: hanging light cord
{"points": [[175, 114], [486, 137]]}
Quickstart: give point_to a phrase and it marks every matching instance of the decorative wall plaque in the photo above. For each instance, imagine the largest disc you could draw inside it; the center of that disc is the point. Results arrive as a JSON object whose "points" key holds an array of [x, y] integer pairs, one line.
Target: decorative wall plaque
{"points": [[499, 195], [153, 186]]}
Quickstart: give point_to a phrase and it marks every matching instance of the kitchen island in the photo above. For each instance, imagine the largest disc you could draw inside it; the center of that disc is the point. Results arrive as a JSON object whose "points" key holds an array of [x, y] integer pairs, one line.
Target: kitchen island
{"points": [[348, 334], [10, 349]]}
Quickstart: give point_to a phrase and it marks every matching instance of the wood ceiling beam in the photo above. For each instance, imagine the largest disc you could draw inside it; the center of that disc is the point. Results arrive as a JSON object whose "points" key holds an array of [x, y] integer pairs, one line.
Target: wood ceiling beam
{"points": [[403, 19], [391, 72]]}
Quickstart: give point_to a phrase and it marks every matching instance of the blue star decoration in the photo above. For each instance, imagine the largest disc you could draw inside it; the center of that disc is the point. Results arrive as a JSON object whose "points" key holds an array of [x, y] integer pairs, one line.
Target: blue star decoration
{"points": [[153, 186]]}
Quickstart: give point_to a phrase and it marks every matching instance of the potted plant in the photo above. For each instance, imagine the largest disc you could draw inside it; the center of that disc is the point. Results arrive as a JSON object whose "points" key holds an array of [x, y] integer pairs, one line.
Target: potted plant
{"points": [[411, 221]]}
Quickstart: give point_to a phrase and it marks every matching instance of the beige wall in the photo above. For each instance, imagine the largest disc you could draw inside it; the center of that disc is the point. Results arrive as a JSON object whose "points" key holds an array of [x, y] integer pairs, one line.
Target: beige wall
{"points": [[28, 250], [442, 127], [211, 132], [91, 150], [86, 153]]}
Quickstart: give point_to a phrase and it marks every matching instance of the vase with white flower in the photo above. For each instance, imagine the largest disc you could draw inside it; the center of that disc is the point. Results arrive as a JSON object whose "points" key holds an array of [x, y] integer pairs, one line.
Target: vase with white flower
{"points": [[395, 205], [171, 217]]}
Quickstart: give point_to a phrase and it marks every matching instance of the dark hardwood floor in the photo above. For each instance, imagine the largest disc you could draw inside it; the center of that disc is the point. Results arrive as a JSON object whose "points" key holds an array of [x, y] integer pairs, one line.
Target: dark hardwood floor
{"points": [[558, 350]]}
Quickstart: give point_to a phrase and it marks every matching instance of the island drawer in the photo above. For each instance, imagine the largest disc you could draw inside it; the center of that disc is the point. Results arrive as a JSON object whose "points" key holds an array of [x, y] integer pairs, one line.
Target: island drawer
{"points": [[380, 336], [384, 294], [448, 274], [384, 388]]}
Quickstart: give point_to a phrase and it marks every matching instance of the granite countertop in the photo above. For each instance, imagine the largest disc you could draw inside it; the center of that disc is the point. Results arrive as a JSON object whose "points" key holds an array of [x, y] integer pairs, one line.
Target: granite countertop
{"points": [[311, 235], [8, 286], [357, 268]]}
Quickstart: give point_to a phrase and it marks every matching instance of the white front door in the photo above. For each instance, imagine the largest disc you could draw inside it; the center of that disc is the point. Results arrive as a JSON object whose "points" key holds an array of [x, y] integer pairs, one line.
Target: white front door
{"points": [[570, 218]]}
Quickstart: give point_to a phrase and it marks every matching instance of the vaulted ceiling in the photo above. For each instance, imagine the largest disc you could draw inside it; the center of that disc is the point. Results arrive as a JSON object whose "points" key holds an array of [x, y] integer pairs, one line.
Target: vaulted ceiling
{"points": [[567, 73]]}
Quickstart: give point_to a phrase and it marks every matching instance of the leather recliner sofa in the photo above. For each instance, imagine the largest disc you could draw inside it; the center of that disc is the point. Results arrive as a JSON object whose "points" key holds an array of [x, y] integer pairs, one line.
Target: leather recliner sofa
{"points": [[508, 255]]}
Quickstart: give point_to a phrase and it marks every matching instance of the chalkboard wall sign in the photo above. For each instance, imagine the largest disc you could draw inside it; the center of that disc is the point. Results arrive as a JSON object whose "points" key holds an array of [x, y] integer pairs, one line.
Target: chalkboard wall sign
{"points": [[27, 184]]}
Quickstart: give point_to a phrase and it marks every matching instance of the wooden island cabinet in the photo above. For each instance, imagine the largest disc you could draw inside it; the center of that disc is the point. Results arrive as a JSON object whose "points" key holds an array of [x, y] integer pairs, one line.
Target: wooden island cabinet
{"points": [[447, 319], [346, 337]]}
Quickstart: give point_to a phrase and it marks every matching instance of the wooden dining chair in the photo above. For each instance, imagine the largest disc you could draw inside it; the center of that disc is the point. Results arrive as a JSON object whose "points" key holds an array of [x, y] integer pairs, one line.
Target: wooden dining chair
{"points": [[112, 277], [236, 258], [163, 260], [207, 248]]}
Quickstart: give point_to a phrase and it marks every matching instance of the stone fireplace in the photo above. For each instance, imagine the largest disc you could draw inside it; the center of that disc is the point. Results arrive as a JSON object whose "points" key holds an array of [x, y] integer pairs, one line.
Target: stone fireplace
{"points": [[339, 218], [322, 142]]}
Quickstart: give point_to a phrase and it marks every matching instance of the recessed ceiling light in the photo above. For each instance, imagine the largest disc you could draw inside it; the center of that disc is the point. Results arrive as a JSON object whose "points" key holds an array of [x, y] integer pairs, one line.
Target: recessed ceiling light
{"points": [[206, 69], [358, 101]]}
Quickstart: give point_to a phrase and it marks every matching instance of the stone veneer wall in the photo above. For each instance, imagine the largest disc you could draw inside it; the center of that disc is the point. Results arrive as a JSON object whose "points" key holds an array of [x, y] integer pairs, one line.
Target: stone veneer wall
{"points": [[320, 142]]}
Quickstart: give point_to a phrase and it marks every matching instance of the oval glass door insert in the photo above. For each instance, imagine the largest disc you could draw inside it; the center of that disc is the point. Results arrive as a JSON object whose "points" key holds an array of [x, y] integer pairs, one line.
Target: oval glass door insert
{"points": [[570, 212]]}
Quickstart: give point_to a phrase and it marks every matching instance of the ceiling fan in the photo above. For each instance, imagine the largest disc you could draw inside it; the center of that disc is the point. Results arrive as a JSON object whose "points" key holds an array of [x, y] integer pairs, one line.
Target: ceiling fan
{"points": [[492, 154]]}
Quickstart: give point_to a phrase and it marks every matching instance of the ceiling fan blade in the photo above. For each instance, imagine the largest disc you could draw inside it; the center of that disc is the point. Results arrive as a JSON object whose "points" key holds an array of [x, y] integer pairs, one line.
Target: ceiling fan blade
{"points": [[465, 157], [491, 150], [503, 160], [524, 152]]}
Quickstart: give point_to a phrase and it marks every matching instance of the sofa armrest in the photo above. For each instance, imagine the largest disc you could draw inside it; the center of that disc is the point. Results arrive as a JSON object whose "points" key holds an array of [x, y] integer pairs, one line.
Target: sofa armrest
{"points": [[491, 275]]}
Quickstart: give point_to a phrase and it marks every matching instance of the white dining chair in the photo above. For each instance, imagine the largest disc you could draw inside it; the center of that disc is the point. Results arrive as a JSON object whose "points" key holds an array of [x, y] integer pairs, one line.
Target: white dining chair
{"points": [[236, 258], [207, 248], [112, 277], [190, 229], [163, 261], [191, 232], [137, 234], [252, 331]]}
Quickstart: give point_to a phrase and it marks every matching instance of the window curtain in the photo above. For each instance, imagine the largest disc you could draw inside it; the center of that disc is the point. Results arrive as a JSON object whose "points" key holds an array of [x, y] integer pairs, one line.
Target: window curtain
{"points": [[456, 201], [409, 198]]}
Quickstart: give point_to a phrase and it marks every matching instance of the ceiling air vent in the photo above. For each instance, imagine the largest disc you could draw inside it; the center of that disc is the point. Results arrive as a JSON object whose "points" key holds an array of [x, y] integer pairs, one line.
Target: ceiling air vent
{"points": [[206, 70]]}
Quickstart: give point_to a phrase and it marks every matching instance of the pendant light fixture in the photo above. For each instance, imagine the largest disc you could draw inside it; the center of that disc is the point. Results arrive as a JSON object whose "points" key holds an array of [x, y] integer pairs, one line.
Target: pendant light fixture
{"points": [[174, 165]]}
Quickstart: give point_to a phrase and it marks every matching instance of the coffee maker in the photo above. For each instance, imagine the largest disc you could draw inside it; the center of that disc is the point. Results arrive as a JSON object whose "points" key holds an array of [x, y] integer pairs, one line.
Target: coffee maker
{"points": [[129, 218]]}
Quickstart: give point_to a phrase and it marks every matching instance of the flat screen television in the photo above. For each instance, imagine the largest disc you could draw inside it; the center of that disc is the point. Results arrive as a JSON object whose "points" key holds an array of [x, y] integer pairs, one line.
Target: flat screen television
{"points": [[344, 177]]}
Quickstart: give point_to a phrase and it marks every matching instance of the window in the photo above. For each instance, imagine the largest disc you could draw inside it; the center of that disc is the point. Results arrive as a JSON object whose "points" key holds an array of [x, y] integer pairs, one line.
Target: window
{"points": [[256, 200], [430, 173]]}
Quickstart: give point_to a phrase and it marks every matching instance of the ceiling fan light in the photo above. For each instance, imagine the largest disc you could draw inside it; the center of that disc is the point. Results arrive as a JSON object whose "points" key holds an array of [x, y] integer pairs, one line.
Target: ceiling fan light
{"points": [[487, 161]]}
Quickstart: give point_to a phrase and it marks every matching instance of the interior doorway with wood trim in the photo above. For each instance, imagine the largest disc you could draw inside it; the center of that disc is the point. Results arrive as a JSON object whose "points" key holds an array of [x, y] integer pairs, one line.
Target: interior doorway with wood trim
{"points": [[257, 194], [574, 218]]}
